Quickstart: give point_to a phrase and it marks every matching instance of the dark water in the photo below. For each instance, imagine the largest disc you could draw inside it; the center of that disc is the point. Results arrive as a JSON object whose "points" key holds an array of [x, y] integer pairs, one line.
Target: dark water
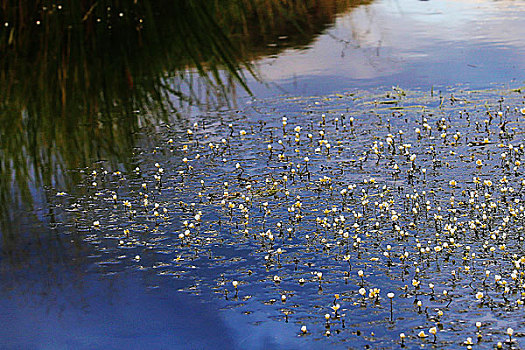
{"points": [[70, 283]]}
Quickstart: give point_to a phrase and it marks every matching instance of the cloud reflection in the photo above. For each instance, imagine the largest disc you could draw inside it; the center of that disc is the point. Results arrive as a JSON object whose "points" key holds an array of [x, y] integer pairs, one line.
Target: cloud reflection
{"points": [[406, 42]]}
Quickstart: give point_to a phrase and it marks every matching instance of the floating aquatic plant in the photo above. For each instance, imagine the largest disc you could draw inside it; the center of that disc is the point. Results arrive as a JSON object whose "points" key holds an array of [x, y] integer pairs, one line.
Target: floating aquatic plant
{"points": [[326, 231]]}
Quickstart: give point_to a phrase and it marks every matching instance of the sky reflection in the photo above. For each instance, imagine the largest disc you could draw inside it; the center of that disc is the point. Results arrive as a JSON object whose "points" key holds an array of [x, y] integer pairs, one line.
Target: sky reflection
{"points": [[110, 313], [413, 44], [410, 44]]}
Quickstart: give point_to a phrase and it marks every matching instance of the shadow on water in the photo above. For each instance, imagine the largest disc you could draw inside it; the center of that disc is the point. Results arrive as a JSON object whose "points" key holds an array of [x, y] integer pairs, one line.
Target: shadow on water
{"points": [[79, 82]]}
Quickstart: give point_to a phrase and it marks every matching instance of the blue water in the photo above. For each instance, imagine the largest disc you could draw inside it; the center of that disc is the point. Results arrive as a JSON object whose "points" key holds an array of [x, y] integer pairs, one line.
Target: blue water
{"points": [[406, 43], [70, 287]]}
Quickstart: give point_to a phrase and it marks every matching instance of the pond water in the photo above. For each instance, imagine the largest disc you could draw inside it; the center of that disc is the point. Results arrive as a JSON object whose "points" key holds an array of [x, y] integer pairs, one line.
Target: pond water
{"points": [[162, 205], [407, 43]]}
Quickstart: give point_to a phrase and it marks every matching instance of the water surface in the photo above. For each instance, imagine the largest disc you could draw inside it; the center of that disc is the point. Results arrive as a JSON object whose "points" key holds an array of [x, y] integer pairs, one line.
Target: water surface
{"points": [[408, 43], [67, 283]]}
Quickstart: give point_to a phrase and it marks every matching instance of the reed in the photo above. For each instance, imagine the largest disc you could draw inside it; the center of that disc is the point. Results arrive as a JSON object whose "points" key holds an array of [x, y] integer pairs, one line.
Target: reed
{"points": [[79, 79]]}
